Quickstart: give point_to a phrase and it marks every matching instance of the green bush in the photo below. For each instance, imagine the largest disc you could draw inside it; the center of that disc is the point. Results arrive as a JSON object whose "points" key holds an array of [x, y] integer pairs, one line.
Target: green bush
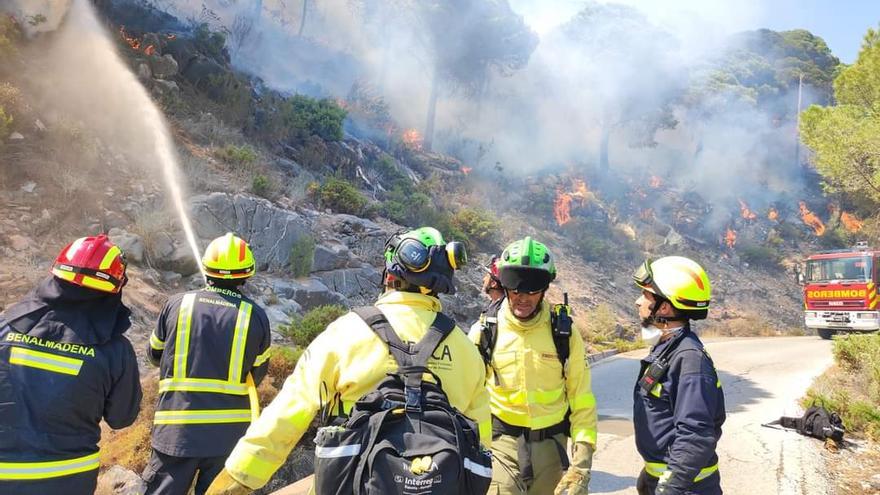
{"points": [[403, 205], [761, 256], [243, 156], [299, 117], [261, 186], [301, 255], [341, 196], [9, 35], [478, 226], [233, 94], [301, 331], [209, 42]]}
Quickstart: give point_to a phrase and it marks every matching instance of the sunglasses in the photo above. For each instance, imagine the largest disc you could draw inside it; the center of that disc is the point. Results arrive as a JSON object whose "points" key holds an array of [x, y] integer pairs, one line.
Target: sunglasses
{"points": [[529, 292]]}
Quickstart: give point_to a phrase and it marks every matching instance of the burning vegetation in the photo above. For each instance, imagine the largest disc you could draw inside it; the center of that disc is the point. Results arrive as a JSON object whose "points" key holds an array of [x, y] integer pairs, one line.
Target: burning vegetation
{"points": [[810, 219], [562, 205]]}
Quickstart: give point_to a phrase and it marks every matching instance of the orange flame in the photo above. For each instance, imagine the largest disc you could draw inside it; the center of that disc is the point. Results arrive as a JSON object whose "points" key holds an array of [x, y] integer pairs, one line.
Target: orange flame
{"points": [[745, 212], [656, 182], [466, 170], [562, 207], [133, 42], [412, 139], [772, 214], [579, 190], [851, 222], [149, 50], [811, 219], [730, 238]]}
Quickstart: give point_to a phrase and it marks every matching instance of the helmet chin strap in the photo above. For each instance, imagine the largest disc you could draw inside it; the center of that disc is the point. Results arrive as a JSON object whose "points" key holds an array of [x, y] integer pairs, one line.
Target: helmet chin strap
{"points": [[653, 319]]}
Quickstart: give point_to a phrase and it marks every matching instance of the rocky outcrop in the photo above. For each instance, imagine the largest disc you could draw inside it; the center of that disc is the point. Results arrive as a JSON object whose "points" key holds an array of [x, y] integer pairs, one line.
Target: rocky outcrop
{"points": [[358, 285], [120, 481], [270, 231], [308, 293]]}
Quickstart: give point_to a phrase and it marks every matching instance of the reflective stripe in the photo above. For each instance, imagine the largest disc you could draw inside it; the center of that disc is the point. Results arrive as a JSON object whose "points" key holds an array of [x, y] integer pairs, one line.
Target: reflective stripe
{"points": [[202, 385], [584, 435], [661, 470], [262, 358], [155, 343], [486, 432], [45, 361], [657, 389], [205, 416], [478, 469], [536, 423], [583, 401], [51, 469], [239, 340], [112, 253], [181, 339], [545, 396], [335, 452]]}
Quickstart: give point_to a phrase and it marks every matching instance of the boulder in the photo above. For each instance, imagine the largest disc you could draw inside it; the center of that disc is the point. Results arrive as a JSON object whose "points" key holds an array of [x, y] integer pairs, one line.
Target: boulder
{"points": [[19, 242], [130, 244], [270, 231], [183, 261], [331, 257], [165, 87], [308, 293], [121, 481], [360, 285], [161, 247], [163, 67]]}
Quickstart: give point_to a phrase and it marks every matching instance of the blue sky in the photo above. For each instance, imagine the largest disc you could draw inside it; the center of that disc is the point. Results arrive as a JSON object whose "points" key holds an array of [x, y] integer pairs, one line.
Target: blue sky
{"points": [[842, 24]]}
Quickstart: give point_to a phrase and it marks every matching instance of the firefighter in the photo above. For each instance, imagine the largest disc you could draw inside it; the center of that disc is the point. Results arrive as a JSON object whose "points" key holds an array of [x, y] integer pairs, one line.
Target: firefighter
{"points": [[678, 404], [539, 383], [348, 360], [492, 288], [65, 365], [212, 348]]}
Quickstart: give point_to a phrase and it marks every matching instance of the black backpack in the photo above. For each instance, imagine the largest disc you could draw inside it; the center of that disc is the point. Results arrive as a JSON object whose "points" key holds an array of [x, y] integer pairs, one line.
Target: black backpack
{"points": [[816, 422], [404, 437], [560, 324]]}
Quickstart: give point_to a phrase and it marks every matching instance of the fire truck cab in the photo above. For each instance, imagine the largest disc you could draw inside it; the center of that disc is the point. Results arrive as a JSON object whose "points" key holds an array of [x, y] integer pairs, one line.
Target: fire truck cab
{"points": [[840, 291]]}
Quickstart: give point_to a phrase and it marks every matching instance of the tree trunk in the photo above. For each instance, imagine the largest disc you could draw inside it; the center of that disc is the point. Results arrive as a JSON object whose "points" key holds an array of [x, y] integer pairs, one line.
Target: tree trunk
{"points": [[302, 22], [432, 111], [603, 148]]}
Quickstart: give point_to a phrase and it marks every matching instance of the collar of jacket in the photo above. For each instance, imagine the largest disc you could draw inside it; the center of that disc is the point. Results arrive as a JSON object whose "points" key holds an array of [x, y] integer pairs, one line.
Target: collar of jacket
{"points": [[540, 320], [678, 335], [420, 301]]}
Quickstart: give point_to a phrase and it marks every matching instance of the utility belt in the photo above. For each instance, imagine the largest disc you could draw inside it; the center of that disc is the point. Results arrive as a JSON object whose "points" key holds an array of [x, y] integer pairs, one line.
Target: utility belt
{"points": [[501, 428], [525, 437], [661, 470]]}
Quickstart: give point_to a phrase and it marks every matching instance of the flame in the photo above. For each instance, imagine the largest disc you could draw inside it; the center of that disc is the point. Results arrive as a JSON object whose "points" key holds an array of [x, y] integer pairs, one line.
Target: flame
{"points": [[811, 219], [133, 42], [772, 214], [562, 207], [149, 50], [745, 212], [851, 222], [579, 190], [412, 139], [466, 170], [656, 182], [730, 238]]}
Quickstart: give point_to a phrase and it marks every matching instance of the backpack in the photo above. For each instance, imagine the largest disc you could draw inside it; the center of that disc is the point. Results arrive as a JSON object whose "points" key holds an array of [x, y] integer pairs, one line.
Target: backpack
{"points": [[816, 422], [403, 437], [560, 325]]}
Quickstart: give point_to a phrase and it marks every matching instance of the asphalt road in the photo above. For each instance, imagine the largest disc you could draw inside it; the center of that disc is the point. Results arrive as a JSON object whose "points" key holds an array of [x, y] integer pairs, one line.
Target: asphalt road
{"points": [[762, 379]]}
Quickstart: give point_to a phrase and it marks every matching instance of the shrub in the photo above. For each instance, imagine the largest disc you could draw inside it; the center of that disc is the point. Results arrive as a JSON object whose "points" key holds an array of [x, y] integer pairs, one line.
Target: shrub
{"points": [[233, 94], [403, 205], [762, 256], [300, 117], [9, 34], [341, 196], [301, 256], [301, 331], [243, 156], [261, 186], [478, 226], [599, 323], [209, 42]]}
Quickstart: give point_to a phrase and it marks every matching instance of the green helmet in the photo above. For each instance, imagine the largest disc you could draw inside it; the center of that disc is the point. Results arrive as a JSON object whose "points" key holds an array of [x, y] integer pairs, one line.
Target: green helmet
{"points": [[526, 265]]}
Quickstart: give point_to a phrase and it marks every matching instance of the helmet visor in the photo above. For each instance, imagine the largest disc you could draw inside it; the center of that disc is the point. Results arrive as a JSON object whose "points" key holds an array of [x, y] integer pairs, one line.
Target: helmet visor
{"points": [[644, 278]]}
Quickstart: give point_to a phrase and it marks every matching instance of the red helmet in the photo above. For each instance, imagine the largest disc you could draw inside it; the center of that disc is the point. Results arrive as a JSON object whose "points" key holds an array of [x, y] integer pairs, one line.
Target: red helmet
{"points": [[492, 268], [92, 262]]}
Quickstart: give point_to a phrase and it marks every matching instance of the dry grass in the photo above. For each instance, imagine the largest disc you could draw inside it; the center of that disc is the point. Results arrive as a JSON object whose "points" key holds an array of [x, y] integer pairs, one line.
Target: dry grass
{"points": [[746, 326], [130, 447]]}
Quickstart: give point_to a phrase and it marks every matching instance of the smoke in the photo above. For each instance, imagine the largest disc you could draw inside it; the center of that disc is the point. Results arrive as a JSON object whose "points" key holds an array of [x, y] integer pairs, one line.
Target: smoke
{"points": [[37, 16], [77, 73]]}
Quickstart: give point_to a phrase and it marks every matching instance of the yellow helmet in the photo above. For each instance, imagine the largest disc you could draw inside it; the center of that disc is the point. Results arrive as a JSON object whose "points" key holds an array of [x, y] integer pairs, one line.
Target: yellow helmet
{"points": [[228, 257], [681, 281]]}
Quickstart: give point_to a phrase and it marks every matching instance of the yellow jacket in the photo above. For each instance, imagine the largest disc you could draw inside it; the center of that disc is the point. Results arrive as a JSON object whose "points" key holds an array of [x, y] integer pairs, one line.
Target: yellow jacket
{"points": [[526, 387], [349, 359]]}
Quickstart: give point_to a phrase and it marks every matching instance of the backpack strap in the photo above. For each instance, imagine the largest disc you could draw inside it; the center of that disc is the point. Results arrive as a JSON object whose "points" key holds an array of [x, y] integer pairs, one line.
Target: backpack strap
{"points": [[412, 360], [489, 331]]}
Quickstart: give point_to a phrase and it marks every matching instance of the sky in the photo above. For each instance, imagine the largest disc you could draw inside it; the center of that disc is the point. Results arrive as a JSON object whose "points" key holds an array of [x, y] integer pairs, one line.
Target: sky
{"points": [[841, 23]]}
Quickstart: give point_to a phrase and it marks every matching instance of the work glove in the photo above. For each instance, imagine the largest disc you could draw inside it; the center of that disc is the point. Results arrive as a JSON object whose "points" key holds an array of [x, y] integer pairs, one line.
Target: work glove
{"points": [[225, 484], [576, 480]]}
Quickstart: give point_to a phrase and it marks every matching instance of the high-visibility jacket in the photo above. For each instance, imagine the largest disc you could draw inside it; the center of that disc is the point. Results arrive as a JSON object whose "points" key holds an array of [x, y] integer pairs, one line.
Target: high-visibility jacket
{"points": [[678, 422], [64, 366], [206, 342], [345, 362], [526, 384]]}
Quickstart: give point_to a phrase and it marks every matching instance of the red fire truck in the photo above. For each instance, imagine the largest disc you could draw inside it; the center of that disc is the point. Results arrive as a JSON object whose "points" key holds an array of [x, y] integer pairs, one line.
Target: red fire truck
{"points": [[840, 291]]}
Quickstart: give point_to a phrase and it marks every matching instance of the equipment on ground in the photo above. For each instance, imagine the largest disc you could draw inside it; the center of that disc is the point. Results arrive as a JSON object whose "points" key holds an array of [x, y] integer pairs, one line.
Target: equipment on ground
{"points": [[817, 422]]}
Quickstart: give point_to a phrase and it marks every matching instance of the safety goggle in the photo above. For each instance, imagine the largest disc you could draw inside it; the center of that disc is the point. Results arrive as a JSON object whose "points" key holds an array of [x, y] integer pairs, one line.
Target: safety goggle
{"points": [[529, 292], [644, 278]]}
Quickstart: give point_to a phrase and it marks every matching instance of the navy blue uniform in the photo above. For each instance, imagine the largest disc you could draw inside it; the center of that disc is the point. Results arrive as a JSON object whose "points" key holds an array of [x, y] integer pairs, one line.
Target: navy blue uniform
{"points": [[206, 343], [678, 422], [64, 366]]}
